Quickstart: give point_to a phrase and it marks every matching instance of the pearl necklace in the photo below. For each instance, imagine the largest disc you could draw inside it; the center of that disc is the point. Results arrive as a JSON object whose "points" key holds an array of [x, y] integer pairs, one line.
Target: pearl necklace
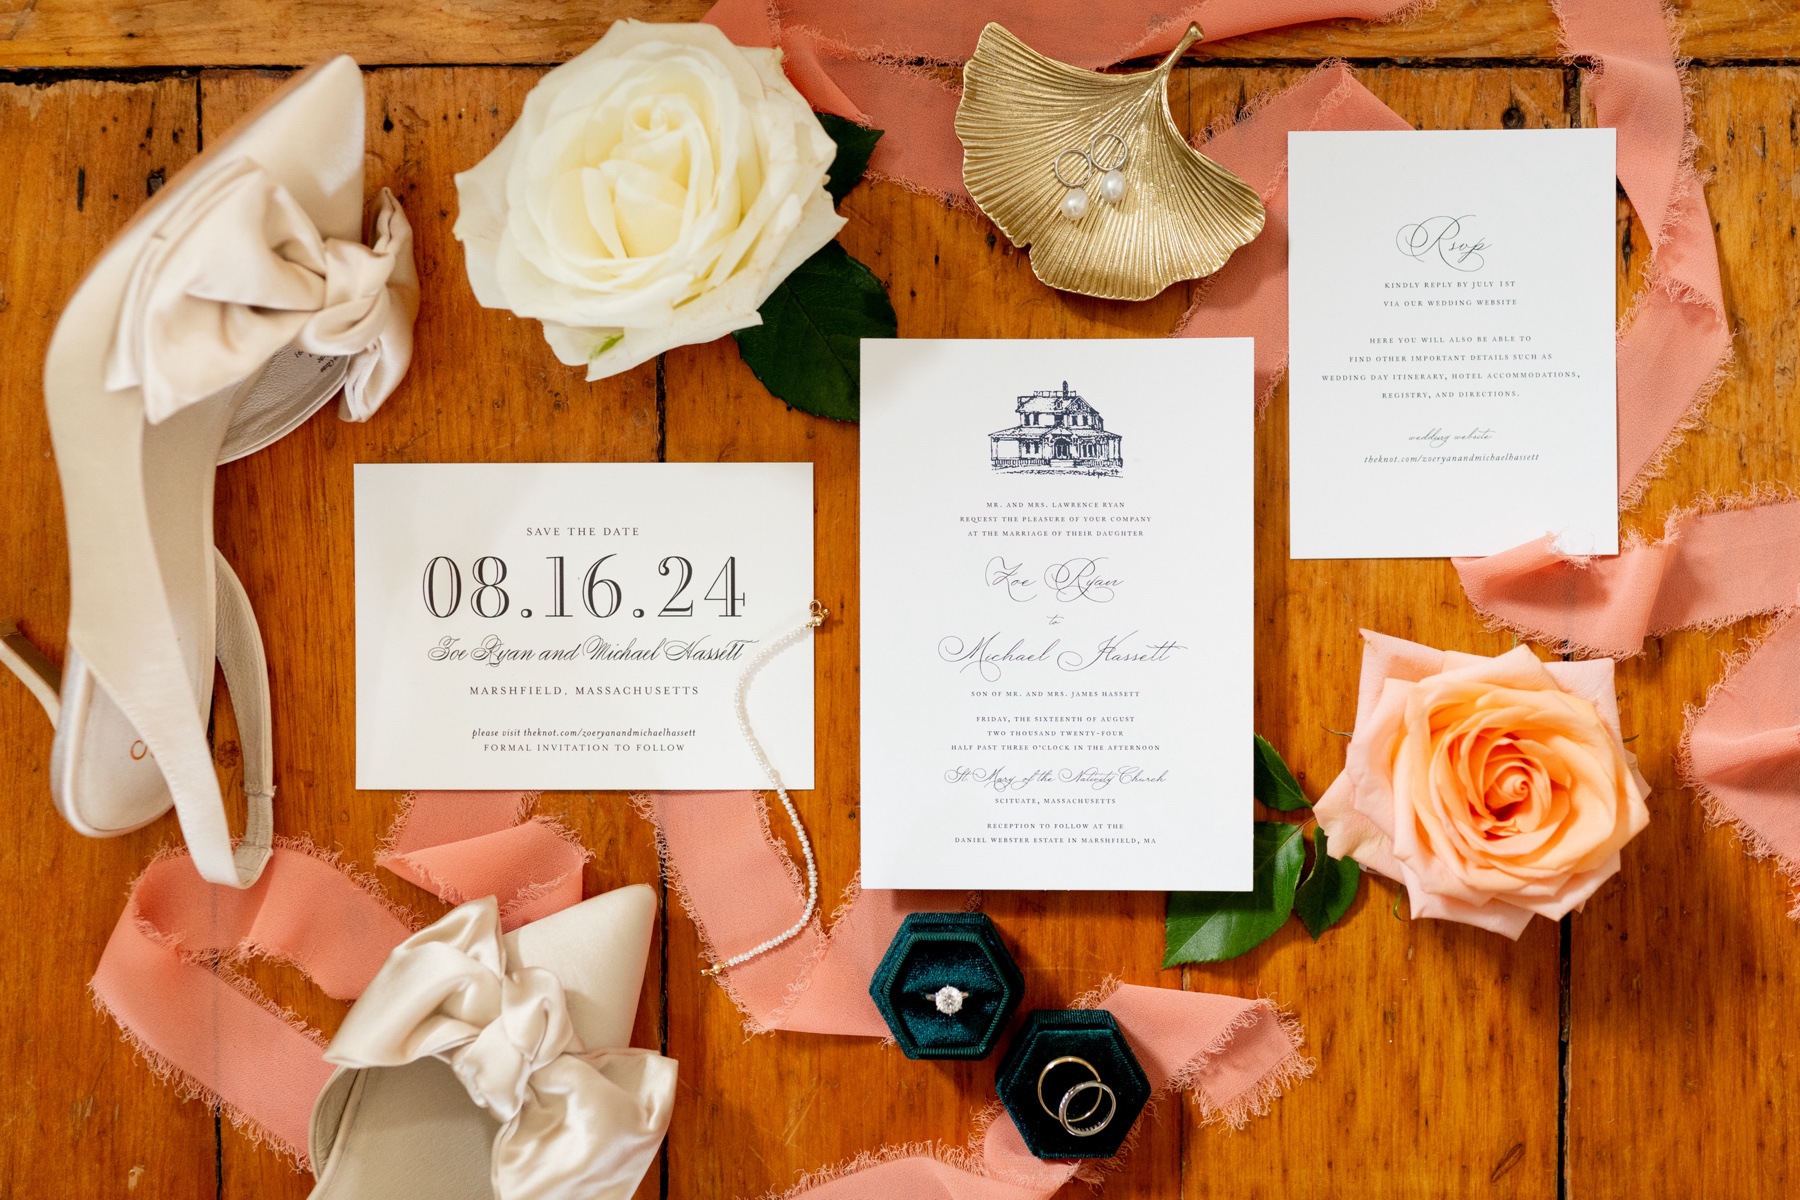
{"points": [[815, 617]]}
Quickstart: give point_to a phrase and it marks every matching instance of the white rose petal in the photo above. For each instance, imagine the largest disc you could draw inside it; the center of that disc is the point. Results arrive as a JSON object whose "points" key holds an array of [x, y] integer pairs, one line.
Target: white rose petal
{"points": [[653, 193]]}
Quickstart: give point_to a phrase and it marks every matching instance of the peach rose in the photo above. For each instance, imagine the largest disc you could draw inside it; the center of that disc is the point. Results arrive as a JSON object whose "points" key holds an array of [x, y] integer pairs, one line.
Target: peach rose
{"points": [[1493, 788]]}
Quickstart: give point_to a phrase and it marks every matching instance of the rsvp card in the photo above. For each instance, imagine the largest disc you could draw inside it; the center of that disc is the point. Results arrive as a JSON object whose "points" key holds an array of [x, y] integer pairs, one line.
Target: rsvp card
{"points": [[1451, 371], [1057, 560], [580, 625]]}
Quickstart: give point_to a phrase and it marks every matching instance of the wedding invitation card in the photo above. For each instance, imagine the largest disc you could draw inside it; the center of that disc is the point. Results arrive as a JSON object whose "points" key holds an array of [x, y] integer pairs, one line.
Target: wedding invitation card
{"points": [[580, 625], [1057, 555], [1451, 373]]}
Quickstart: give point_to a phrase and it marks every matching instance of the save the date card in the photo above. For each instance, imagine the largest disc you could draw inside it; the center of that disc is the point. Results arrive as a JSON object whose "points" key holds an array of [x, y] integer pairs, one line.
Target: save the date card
{"points": [[580, 625]]}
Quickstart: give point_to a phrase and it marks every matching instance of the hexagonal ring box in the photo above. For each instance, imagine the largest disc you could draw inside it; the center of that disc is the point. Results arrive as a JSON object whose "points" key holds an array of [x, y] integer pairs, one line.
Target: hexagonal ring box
{"points": [[947, 985], [1075, 1061]]}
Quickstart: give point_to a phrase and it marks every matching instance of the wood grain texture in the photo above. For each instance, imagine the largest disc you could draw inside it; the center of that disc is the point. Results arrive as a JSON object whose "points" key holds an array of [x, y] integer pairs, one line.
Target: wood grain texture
{"points": [[84, 1110], [1682, 1044], [147, 33], [1437, 1045]]}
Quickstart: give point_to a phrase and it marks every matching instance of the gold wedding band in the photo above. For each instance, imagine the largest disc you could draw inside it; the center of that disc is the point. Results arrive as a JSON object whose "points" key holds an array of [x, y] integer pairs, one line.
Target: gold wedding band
{"points": [[1060, 1112]]}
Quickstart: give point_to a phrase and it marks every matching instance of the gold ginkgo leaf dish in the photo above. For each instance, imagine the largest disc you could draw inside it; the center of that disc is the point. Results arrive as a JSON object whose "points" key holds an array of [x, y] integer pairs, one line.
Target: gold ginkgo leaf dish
{"points": [[1151, 209]]}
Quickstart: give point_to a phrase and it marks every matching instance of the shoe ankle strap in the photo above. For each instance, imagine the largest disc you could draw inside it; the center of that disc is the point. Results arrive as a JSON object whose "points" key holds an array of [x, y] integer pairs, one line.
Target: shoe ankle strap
{"points": [[41, 677]]}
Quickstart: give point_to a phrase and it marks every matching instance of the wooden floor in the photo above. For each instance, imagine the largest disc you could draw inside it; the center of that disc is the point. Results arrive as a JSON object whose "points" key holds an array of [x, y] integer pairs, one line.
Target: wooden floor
{"points": [[1645, 1048]]}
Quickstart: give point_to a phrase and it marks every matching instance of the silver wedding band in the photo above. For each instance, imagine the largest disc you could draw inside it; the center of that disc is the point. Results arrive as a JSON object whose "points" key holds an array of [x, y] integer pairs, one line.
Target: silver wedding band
{"points": [[1071, 1122], [1101, 1092]]}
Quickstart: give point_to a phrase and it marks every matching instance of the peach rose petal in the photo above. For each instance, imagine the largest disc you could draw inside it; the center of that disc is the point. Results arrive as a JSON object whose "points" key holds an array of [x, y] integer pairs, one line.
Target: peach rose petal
{"points": [[1352, 835]]}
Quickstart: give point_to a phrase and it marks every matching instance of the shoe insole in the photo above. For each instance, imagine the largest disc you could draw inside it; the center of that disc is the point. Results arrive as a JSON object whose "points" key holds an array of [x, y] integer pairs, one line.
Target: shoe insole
{"points": [[406, 1133]]}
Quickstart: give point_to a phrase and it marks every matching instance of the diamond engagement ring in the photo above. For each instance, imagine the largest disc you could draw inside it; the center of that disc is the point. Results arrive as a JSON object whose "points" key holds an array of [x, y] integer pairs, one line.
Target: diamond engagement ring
{"points": [[949, 1000]]}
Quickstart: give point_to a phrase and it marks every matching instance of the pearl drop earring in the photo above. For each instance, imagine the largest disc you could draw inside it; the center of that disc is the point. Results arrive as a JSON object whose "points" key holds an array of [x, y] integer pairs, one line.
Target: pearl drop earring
{"points": [[1074, 204], [1112, 173]]}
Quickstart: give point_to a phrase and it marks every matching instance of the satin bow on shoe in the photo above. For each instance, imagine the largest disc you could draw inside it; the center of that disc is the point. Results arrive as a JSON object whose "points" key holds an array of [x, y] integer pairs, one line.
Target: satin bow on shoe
{"points": [[239, 271], [577, 1121]]}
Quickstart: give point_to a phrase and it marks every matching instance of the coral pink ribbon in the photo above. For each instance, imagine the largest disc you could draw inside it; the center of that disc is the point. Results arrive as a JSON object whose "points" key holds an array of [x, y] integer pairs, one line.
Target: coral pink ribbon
{"points": [[216, 1036], [740, 887], [211, 1032], [1715, 564], [461, 846]]}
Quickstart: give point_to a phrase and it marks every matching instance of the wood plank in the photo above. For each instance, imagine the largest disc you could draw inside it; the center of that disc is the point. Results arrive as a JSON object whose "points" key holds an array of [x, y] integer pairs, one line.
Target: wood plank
{"points": [[84, 1109], [483, 387], [1682, 1038], [68, 33], [148, 33], [1437, 1043]]}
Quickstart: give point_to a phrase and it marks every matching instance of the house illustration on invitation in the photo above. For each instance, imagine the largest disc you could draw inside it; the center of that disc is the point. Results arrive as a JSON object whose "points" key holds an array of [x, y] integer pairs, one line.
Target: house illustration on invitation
{"points": [[1058, 433]]}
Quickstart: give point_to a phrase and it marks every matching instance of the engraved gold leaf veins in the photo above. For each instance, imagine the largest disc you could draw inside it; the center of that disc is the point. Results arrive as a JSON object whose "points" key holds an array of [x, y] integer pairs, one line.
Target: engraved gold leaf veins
{"points": [[1182, 214]]}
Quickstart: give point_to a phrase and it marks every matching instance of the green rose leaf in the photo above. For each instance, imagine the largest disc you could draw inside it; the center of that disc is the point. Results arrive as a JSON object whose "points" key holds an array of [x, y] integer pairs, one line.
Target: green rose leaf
{"points": [[854, 145], [1214, 926], [807, 351], [1329, 888], [1275, 785]]}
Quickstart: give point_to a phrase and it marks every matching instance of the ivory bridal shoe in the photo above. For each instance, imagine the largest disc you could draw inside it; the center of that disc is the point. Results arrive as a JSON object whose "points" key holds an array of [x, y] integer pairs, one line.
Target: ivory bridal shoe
{"points": [[486, 1066], [236, 303]]}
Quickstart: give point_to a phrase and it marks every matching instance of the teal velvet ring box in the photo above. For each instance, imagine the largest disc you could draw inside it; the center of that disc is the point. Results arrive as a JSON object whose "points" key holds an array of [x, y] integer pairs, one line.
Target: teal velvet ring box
{"points": [[1076, 1061], [947, 986]]}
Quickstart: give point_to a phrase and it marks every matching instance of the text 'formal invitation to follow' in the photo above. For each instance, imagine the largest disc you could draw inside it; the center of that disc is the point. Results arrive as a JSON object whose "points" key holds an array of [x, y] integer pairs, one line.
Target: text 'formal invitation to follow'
{"points": [[1057, 554], [580, 625], [1451, 374]]}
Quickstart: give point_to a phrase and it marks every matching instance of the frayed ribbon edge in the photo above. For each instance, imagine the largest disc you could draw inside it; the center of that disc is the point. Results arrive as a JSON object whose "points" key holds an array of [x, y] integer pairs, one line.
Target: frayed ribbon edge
{"points": [[1715, 811]]}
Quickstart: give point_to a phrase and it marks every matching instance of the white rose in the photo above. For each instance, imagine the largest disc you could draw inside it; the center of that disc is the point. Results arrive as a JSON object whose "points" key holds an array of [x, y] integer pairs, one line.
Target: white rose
{"points": [[655, 190]]}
